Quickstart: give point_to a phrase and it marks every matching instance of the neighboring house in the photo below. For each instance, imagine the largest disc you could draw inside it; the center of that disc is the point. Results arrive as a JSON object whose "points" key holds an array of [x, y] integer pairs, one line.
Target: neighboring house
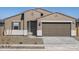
{"points": [[40, 22], [1, 27]]}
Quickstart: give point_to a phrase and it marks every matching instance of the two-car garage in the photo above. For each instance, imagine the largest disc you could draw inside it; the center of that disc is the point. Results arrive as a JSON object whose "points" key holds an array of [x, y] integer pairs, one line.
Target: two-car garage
{"points": [[57, 24], [56, 29]]}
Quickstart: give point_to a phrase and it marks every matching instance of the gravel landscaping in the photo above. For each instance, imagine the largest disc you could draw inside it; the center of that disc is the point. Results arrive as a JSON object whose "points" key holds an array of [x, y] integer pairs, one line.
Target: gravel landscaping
{"points": [[21, 42]]}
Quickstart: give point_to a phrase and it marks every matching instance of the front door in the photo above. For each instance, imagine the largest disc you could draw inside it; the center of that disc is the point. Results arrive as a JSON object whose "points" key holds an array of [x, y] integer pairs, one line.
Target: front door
{"points": [[32, 27]]}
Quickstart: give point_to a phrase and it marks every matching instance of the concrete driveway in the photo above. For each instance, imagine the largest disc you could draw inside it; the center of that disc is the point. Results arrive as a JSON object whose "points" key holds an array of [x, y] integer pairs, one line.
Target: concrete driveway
{"points": [[61, 43]]}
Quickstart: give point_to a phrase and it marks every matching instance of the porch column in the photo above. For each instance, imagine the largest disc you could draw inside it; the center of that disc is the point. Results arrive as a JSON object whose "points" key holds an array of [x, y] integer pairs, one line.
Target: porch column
{"points": [[39, 28], [30, 28]]}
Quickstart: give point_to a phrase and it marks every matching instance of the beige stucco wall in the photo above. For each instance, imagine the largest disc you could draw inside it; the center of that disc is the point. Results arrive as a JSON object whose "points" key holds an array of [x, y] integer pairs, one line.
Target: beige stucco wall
{"points": [[34, 15], [30, 16], [58, 18], [27, 17]]}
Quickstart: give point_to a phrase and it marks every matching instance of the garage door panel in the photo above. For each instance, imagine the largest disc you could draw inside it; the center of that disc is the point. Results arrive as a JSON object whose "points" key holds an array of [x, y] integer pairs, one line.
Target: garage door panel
{"points": [[56, 29]]}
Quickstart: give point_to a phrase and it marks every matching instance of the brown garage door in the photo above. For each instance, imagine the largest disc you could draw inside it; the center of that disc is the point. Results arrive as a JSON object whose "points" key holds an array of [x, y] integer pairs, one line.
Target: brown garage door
{"points": [[56, 29]]}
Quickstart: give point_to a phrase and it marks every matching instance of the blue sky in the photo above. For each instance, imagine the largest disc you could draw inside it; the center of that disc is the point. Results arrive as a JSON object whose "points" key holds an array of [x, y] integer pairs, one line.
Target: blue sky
{"points": [[10, 11]]}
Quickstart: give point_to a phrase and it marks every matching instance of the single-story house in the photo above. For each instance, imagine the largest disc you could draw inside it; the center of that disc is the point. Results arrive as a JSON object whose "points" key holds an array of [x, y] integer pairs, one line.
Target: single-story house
{"points": [[40, 22]]}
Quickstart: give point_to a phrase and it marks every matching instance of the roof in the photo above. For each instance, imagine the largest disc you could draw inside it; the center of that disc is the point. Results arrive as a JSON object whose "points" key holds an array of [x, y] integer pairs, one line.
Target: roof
{"points": [[27, 11], [18, 14], [43, 10], [40, 12], [58, 13], [65, 15]]}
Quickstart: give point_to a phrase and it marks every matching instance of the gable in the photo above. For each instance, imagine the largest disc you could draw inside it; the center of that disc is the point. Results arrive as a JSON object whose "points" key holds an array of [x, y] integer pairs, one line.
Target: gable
{"points": [[13, 18], [45, 12], [57, 17], [32, 14]]}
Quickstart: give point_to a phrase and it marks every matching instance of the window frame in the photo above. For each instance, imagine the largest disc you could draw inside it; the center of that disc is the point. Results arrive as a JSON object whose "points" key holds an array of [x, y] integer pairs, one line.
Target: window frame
{"points": [[19, 26]]}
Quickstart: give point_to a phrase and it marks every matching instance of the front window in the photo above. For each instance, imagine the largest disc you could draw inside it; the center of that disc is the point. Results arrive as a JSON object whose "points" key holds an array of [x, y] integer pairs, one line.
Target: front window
{"points": [[16, 25]]}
